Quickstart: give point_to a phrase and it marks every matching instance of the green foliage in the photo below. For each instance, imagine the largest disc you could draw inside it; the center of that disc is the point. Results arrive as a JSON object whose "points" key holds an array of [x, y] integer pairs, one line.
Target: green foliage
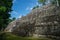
{"points": [[10, 20], [52, 1], [35, 7], [42, 1], [13, 19], [2, 8], [57, 2], [5, 8]]}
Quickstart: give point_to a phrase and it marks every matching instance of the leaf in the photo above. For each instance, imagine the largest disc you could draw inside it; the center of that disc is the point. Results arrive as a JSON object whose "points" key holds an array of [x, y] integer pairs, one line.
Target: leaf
{"points": [[2, 8]]}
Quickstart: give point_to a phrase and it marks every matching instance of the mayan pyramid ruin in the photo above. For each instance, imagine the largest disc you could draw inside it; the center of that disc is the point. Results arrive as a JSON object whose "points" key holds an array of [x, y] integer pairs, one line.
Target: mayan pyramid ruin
{"points": [[40, 21]]}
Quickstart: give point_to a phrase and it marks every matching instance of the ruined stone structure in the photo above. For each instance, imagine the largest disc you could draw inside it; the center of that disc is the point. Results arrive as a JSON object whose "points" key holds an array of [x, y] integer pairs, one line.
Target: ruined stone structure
{"points": [[40, 21]]}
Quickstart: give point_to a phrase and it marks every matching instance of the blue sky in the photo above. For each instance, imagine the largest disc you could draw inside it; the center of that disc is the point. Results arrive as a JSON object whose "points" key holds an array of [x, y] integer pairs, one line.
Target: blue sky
{"points": [[22, 7]]}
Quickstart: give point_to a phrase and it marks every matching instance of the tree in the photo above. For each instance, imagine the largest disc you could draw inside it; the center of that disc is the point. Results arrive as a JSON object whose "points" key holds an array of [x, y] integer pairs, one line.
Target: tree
{"points": [[13, 19], [57, 2], [35, 7], [42, 1], [5, 8]]}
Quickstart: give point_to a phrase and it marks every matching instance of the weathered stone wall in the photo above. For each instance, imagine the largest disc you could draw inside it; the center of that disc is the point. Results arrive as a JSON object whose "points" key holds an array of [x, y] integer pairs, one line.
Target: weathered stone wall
{"points": [[41, 21]]}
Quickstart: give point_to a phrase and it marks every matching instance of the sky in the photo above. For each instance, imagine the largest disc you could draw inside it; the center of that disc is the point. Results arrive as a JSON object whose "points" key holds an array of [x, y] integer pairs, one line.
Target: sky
{"points": [[22, 7]]}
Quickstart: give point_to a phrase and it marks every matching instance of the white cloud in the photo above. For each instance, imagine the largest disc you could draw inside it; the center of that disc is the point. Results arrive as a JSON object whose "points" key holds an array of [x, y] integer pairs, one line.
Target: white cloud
{"points": [[15, 12], [29, 8], [20, 16], [37, 3], [14, 1]]}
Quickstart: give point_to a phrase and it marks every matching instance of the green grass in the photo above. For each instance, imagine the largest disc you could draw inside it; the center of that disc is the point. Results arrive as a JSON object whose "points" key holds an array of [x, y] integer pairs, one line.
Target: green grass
{"points": [[9, 36]]}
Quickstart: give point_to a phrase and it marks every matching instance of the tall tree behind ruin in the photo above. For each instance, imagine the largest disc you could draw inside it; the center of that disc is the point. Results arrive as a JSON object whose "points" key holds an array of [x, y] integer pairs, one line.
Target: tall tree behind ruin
{"points": [[5, 8]]}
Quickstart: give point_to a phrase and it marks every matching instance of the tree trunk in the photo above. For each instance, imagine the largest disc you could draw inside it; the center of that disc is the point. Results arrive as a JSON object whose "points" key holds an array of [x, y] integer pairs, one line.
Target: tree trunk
{"points": [[57, 3]]}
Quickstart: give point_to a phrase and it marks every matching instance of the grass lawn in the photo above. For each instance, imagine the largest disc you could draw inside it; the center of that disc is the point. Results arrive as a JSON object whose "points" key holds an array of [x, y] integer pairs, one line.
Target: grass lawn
{"points": [[14, 37]]}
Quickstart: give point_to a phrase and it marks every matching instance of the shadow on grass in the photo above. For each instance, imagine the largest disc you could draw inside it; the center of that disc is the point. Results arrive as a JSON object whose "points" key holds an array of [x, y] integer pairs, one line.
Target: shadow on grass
{"points": [[2, 36], [9, 36]]}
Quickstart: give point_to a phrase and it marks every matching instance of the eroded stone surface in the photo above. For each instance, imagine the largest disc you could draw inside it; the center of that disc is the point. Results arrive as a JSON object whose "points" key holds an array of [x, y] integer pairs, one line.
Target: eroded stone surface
{"points": [[40, 21]]}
